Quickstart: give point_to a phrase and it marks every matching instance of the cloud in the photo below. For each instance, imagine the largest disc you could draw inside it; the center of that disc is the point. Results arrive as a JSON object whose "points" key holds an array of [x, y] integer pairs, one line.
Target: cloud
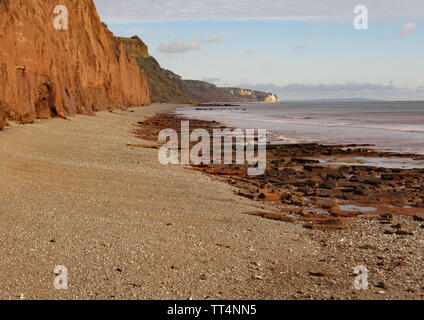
{"points": [[212, 80], [407, 29], [299, 47], [214, 38], [334, 11], [178, 45], [298, 91]]}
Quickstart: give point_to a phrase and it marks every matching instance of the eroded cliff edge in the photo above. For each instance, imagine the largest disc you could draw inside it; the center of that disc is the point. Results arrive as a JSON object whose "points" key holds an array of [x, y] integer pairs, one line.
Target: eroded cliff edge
{"points": [[46, 72]]}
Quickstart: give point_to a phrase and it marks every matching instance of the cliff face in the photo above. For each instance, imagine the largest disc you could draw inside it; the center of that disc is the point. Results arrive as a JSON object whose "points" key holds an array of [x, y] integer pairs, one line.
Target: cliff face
{"points": [[46, 72], [207, 92], [200, 90], [246, 95], [135, 47], [162, 88]]}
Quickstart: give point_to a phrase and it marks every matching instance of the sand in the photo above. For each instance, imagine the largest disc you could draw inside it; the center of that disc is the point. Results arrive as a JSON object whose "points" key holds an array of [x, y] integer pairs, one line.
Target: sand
{"points": [[124, 225], [74, 193]]}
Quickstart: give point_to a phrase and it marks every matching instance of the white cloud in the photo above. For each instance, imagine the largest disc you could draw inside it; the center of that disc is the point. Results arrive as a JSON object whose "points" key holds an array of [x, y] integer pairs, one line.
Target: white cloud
{"points": [[214, 38], [178, 45], [407, 29], [211, 80]]}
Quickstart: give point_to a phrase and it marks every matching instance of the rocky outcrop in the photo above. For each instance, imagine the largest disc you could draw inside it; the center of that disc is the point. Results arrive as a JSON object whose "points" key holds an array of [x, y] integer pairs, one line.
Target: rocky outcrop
{"points": [[162, 88], [135, 47], [46, 72], [246, 95], [271, 98]]}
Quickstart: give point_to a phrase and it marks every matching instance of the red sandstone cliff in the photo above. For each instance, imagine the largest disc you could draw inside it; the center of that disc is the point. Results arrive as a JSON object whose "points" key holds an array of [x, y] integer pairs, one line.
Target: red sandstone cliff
{"points": [[45, 72]]}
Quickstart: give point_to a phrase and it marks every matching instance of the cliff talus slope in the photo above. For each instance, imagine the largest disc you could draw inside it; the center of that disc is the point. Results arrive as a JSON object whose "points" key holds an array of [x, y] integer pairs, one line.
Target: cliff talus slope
{"points": [[46, 72]]}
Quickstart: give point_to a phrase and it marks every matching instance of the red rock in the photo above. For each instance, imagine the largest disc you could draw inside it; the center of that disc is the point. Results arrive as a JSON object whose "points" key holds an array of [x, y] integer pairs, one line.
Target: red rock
{"points": [[46, 72], [269, 197], [367, 247], [325, 227], [61, 115], [2, 121], [271, 216], [320, 274], [278, 216]]}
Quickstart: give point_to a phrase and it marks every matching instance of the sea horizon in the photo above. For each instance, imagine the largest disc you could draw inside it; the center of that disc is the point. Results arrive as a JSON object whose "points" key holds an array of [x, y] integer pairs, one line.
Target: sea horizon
{"points": [[391, 126]]}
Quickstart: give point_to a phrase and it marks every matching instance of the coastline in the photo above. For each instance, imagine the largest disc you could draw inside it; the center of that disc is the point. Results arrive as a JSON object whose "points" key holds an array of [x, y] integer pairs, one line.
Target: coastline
{"points": [[80, 193], [367, 205], [326, 179], [75, 194], [387, 127]]}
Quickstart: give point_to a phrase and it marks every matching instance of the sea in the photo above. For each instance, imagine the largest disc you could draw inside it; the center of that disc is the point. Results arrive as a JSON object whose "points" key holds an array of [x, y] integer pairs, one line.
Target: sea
{"points": [[388, 126]]}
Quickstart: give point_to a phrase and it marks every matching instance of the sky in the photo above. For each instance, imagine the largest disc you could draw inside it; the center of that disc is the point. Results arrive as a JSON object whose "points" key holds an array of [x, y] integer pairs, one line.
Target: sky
{"points": [[299, 49]]}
